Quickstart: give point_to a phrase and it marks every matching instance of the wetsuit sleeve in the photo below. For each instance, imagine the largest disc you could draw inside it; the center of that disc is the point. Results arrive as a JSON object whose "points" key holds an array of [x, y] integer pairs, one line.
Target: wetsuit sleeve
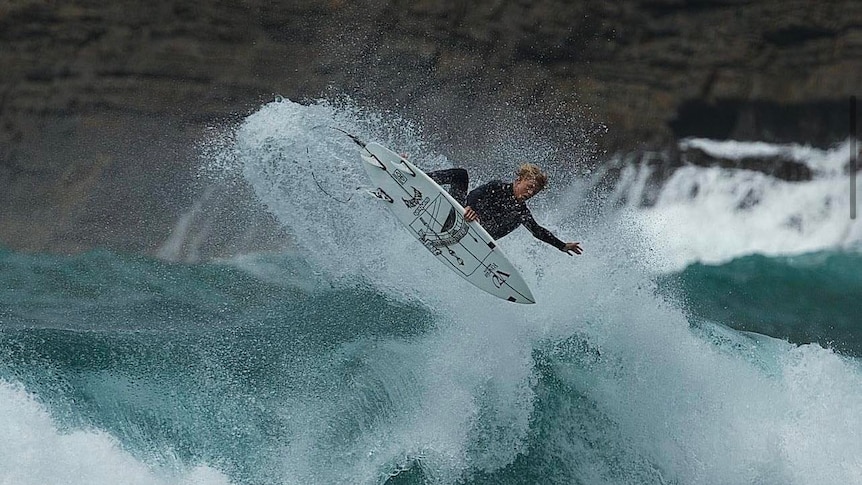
{"points": [[448, 176], [456, 178], [540, 232], [475, 198]]}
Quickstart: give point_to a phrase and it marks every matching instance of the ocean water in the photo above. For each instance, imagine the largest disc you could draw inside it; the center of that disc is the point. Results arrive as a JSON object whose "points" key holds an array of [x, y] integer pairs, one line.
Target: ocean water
{"points": [[686, 346]]}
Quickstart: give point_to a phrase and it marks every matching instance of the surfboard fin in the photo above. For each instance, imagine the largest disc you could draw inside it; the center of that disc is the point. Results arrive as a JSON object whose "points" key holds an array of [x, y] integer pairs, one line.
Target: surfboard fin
{"points": [[379, 194]]}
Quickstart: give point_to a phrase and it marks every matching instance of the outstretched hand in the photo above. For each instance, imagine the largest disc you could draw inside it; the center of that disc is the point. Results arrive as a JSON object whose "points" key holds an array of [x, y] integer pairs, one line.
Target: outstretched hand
{"points": [[573, 247]]}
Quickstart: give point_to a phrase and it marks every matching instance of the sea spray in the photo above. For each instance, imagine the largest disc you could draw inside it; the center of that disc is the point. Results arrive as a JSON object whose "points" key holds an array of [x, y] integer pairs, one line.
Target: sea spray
{"points": [[676, 399], [714, 214]]}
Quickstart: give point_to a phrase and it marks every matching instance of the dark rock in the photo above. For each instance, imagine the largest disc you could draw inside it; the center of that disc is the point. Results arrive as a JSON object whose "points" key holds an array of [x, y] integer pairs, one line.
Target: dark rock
{"points": [[818, 122], [750, 200], [776, 166], [100, 103]]}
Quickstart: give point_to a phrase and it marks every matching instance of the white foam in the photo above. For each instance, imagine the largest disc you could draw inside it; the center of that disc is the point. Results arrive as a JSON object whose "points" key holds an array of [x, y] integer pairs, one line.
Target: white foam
{"points": [[710, 406], [34, 451], [713, 215], [831, 161], [450, 391], [298, 166]]}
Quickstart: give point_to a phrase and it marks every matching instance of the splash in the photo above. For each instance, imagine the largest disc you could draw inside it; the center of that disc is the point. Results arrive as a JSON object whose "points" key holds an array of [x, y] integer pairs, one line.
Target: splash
{"points": [[713, 215], [641, 394]]}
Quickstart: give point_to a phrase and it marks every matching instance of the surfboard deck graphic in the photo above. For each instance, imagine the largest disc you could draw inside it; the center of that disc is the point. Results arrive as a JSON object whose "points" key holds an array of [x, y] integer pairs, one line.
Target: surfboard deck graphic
{"points": [[437, 221]]}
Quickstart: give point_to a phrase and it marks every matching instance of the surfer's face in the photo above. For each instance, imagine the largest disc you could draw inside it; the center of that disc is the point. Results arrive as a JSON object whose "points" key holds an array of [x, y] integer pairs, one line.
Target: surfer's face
{"points": [[525, 188]]}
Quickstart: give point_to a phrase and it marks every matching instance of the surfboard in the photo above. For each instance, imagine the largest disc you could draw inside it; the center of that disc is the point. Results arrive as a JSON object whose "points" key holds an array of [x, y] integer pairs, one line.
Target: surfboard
{"points": [[437, 221]]}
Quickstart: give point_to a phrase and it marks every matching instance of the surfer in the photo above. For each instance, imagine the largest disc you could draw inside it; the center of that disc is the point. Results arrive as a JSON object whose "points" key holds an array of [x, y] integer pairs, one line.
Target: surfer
{"points": [[502, 206]]}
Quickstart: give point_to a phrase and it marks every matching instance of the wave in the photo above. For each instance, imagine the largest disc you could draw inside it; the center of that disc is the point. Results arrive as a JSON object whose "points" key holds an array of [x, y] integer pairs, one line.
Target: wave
{"points": [[350, 359], [602, 383], [804, 298], [662, 394], [35, 450]]}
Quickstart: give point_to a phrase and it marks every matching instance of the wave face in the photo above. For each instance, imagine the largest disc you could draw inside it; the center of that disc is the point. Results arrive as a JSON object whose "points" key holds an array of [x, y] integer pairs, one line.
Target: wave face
{"points": [[812, 297], [356, 358]]}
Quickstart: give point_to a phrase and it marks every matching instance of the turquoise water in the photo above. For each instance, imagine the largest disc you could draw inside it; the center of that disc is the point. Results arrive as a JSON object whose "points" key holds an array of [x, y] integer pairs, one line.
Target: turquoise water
{"points": [[196, 361], [280, 376], [804, 298], [356, 358]]}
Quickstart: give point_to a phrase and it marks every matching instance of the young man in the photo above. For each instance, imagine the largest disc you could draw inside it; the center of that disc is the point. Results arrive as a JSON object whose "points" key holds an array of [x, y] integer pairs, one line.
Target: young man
{"points": [[501, 207]]}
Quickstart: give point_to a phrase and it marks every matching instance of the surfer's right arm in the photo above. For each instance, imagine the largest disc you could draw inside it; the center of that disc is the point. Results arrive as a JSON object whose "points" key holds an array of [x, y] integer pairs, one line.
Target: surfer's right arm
{"points": [[457, 179]]}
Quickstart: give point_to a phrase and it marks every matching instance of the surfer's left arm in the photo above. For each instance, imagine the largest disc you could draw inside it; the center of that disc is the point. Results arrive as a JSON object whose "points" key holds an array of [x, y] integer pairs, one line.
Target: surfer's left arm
{"points": [[547, 236]]}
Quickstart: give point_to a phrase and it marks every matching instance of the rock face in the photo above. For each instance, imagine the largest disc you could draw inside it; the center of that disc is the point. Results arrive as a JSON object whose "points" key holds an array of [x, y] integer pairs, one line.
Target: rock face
{"points": [[101, 104]]}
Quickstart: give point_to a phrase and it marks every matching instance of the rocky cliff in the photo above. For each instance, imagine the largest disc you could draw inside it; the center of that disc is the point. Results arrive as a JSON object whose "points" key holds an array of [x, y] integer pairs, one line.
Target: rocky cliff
{"points": [[101, 104]]}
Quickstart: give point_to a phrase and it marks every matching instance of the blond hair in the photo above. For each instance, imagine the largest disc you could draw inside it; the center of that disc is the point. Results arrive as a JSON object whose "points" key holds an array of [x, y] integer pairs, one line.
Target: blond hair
{"points": [[533, 172]]}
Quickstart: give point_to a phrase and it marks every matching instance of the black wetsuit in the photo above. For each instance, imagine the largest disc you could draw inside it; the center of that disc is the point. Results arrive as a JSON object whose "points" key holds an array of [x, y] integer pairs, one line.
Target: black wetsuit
{"points": [[499, 211]]}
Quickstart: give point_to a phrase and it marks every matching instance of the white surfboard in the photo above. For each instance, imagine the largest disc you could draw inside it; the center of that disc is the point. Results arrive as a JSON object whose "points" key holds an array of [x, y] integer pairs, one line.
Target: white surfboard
{"points": [[437, 221]]}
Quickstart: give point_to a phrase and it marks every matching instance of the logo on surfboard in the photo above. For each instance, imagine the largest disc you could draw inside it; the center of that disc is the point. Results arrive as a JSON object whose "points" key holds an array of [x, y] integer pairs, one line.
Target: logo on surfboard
{"points": [[413, 201], [497, 277], [400, 177]]}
